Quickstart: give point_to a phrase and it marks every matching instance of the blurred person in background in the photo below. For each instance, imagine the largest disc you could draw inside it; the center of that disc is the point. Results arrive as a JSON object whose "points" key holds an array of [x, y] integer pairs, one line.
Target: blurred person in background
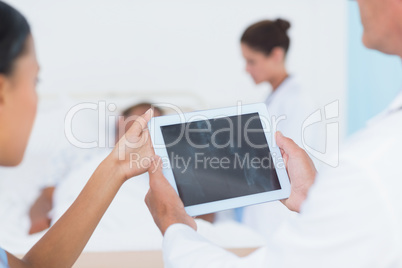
{"points": [[265, 46], [71, 159]]}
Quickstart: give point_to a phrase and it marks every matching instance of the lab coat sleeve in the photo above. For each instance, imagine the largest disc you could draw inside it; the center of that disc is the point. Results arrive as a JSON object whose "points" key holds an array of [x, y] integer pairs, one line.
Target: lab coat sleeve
{"points": [[334, 229], [184, 247]]}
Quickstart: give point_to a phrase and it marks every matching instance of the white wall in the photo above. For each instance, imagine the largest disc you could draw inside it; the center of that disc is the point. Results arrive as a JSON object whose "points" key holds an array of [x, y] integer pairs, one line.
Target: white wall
{"points": [[182, 52], [101, 46]]}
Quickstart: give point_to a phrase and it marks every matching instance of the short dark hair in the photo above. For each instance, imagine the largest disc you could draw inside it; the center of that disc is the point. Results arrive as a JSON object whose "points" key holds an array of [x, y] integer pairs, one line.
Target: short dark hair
{"points": [[14, 31], [146, 105], [265, 35]]}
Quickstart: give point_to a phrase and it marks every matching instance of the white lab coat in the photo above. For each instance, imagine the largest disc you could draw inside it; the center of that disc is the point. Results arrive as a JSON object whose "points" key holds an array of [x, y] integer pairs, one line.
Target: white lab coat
{"points": [[351, 218], [289, 102]]}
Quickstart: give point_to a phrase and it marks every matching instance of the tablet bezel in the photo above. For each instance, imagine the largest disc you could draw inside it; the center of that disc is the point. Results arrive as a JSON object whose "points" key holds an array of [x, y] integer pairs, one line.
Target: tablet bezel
{"points": [[158, 143]]}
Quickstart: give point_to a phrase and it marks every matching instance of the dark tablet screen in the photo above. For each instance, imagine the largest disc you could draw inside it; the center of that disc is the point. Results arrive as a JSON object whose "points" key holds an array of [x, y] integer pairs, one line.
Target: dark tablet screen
{"points": [[220, 158]]}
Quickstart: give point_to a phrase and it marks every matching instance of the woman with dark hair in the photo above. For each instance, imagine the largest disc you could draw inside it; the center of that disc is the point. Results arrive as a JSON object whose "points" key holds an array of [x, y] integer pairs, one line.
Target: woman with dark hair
{"points": [[265, 45], [63, 243]]}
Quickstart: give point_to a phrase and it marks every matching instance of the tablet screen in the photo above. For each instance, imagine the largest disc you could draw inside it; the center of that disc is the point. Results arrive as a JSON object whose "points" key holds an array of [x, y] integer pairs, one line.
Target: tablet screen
{"points": [[218, 159]]}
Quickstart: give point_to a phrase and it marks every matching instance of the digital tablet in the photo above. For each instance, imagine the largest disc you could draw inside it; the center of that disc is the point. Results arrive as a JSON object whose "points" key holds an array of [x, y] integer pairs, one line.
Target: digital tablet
{"points": [[222, 158]]}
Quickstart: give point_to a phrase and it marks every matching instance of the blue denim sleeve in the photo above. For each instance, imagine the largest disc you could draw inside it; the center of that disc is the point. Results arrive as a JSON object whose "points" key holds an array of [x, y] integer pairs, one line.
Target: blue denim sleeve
{"points": [[3, 259]]}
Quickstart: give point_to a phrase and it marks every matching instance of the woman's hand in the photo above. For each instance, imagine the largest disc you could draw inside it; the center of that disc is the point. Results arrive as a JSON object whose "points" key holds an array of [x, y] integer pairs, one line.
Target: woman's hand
{"points": [[132, 154], [301, 171], [162, 200]]}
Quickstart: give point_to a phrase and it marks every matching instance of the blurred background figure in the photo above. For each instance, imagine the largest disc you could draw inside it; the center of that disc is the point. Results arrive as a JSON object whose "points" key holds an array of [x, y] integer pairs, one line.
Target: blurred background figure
{"points": [[265, 46], [73, 158]]}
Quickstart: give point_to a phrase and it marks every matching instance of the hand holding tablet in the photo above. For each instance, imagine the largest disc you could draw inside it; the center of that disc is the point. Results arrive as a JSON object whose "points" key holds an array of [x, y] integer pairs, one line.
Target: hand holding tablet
{"points": [[220, 159]]}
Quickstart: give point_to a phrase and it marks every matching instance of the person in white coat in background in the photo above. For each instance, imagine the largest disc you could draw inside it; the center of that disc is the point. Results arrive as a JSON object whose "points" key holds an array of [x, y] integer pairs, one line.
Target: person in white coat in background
{"points": [[264, 46], [347, 217]]}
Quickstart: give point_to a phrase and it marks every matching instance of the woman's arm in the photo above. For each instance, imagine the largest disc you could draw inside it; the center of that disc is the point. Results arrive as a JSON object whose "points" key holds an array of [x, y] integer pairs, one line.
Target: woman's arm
{"points": [[63, 243]]}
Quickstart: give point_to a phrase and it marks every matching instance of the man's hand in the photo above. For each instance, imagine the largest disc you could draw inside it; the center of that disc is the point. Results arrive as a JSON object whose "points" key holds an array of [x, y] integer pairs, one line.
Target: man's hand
{"points": [[132, 154], [162, 200], [300, 169]]}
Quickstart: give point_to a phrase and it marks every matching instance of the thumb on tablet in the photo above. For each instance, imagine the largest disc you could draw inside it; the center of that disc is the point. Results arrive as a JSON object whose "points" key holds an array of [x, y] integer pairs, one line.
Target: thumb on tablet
{"points": [[286, 144], [155, 170]]}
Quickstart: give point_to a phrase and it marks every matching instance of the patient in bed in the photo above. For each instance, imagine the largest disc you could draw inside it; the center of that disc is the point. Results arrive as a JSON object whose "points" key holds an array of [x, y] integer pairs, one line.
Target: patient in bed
{"points": [[72, 159]]}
